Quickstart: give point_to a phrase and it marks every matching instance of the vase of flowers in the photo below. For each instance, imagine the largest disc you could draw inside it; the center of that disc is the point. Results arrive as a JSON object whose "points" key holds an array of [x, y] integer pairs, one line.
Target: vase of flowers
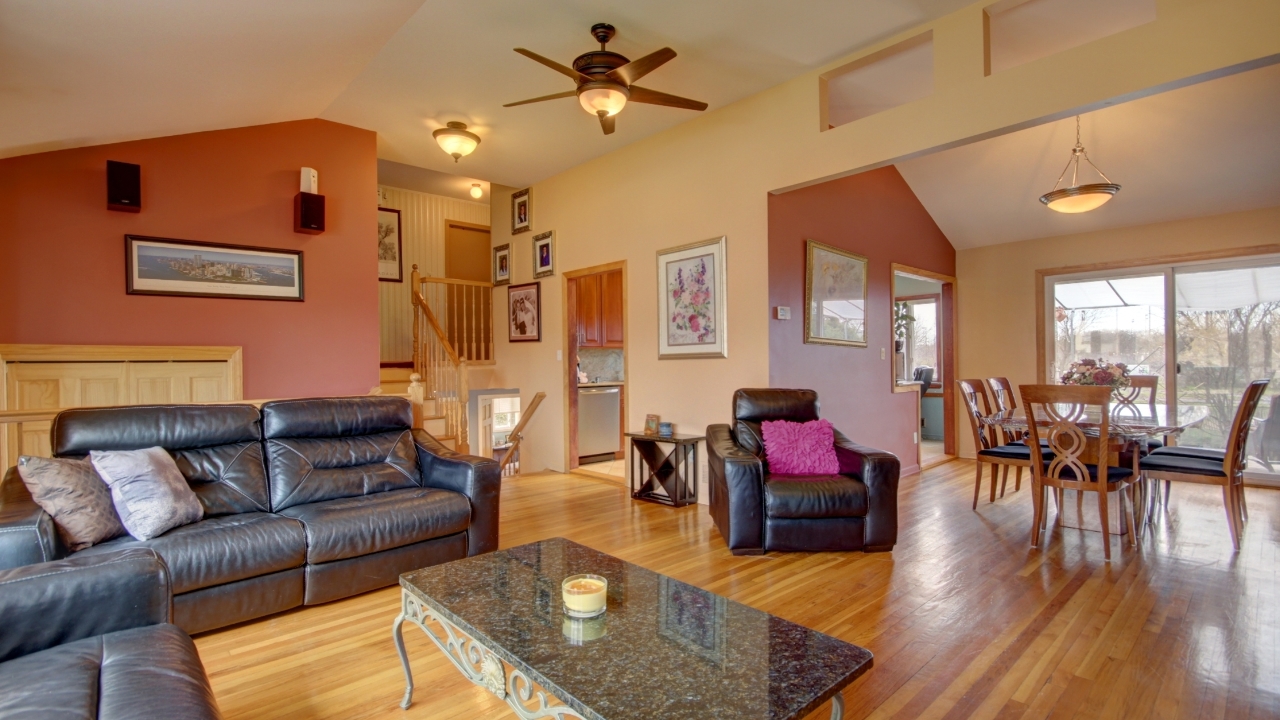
{"points": [[1097, 372]]}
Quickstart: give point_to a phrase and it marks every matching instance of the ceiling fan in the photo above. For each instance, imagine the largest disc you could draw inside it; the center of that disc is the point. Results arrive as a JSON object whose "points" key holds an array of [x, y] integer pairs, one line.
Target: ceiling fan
{"points": [[605, 80]]}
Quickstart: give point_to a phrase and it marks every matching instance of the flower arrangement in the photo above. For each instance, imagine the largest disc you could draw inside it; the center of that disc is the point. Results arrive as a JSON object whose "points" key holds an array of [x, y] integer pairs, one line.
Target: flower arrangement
{"points": [[1097, 372]]}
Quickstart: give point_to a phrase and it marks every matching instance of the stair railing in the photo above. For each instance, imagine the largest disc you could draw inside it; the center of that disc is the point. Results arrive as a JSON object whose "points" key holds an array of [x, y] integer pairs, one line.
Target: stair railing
{"points": [[464, 312], [442, 369], [517, 435]]}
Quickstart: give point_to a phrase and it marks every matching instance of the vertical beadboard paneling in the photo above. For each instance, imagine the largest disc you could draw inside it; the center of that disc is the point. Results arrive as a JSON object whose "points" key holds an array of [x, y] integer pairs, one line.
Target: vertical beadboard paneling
{"points": [[422, 228]]}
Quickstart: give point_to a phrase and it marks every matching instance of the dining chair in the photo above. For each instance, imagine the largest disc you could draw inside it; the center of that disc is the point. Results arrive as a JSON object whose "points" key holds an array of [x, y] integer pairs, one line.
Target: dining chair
{"points": [[1003, 398], [986, 439], [1132, 397], [1056, 413], [1204, 466]]}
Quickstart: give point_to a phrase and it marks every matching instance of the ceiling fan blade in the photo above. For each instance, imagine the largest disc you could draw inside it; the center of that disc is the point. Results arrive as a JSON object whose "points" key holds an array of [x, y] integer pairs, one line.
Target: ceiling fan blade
{"points": [[637, 69], [557, 96], [607, 123], [653, 97], [563, 70]]}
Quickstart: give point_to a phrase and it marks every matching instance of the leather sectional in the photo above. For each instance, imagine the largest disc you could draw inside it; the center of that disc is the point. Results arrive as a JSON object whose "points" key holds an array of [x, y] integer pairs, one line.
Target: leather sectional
{"points": [[305, 501]]}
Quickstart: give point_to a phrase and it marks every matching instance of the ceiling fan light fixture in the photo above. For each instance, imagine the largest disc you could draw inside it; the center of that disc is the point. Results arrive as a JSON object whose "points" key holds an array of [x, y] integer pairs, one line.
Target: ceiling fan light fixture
{"points": [[456, 140], [1078, 198], [476, 192], [606, 98]]}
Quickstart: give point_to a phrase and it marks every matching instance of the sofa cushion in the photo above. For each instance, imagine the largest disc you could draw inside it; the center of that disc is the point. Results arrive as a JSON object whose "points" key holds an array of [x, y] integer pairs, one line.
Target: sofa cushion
{"points": [[143, 673], [355, 526], [75, 497], [220, 550], [148, 490], [217, 448], [814, 496], [331, 448], [800, 448], [753, 406]]}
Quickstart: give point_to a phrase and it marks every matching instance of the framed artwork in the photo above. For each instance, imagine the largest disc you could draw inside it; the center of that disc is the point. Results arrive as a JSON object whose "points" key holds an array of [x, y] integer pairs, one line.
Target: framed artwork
{"points": [[502, 265], [835, 296], [524, 312], [163, 266], [651, 424], [692, 305], [390, 247], [544, 254], [521, 212]]}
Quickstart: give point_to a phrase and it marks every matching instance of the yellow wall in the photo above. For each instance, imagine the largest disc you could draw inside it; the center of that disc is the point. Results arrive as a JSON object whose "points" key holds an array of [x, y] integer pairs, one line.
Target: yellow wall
{"points": [[710, 176], [997, 284]]}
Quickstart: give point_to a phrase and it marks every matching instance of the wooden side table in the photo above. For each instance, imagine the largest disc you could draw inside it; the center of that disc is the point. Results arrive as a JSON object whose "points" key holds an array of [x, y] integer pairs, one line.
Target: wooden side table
{"points": [[674, 472]]}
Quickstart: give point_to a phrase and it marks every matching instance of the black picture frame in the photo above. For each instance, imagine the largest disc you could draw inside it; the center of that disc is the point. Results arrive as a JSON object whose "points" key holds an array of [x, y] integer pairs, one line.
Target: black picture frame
{"points": [[135, 284], [399, 248]]}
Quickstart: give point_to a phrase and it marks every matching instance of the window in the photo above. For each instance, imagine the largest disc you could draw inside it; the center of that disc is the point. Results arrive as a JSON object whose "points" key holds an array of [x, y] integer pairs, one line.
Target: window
{"points": [[922, 337]]}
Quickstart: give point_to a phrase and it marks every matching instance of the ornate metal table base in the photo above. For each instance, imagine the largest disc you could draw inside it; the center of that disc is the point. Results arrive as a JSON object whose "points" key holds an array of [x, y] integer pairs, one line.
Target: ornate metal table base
{"points": [[476, 662], [481, 666]]}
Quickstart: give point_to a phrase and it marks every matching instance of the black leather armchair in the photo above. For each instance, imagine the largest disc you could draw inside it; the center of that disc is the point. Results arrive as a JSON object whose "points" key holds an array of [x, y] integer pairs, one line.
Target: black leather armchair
{"points": [[89, 637], [756, 511]]}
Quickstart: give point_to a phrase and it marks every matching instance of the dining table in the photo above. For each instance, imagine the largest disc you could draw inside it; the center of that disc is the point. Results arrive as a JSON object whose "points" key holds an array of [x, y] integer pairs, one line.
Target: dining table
{"points": [[1131, 426]]}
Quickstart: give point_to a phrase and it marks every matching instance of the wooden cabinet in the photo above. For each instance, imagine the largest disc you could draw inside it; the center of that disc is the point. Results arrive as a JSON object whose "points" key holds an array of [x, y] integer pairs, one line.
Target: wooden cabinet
{"points": [[611, 309], [589, 311], [600, 309]]}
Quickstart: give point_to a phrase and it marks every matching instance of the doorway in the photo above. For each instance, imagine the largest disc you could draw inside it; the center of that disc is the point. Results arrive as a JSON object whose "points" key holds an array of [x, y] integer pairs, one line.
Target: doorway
{"points": [[596, 370], [924, 357]]}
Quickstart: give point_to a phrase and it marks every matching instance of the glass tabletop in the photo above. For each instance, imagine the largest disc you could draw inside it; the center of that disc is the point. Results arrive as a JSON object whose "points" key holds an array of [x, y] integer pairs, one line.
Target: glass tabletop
{"points": [[664, 648], [1126, 420]]}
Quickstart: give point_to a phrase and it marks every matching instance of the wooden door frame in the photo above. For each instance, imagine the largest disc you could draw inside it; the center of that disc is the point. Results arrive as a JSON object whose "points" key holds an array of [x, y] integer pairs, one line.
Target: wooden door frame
{"points": [[569, 318], [947, 326]]}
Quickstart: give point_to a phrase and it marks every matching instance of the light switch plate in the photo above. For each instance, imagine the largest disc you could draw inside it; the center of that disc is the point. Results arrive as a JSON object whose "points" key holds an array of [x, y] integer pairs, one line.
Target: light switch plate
{"points": [[782, 312], [881, 353]]}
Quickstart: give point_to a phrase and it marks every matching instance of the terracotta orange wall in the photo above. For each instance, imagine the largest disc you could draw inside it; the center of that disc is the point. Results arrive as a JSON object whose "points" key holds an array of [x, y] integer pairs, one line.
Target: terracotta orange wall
{"points": [[62, 260], [873, 214]]}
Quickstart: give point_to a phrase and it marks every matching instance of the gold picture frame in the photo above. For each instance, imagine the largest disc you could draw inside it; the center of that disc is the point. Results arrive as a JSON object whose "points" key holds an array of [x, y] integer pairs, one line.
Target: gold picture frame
{"points": [[521, 211], [837, 315]]}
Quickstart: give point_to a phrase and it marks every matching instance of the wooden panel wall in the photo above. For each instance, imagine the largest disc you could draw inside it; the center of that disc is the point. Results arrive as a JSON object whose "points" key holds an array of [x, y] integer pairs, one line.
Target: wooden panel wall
{"points": [[422, 227]]}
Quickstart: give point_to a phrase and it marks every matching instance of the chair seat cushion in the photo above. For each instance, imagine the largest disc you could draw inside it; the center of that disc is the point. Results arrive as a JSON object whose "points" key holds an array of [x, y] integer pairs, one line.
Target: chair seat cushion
{"points": [[1114, 474], [1192, 452], [355, 526], [814, 496], [143, 673], [224, 549], [1165, 462], [1013, 451]]}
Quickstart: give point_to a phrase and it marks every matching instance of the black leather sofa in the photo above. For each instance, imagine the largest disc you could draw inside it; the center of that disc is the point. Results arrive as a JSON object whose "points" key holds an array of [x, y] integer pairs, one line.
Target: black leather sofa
{"points": [[305, 501], [89, 637], [756, 511]]}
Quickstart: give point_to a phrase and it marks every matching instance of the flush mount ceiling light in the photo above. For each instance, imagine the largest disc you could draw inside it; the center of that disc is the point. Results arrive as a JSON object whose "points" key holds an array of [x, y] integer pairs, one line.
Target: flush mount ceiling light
{"points": [[1079, 198], [476, 192], [456, 140]]}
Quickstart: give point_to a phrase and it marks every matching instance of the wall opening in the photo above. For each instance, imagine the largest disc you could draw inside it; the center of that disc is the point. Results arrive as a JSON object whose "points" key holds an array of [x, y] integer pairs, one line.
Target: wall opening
{"points": [[880, 81], [1019, 31]]}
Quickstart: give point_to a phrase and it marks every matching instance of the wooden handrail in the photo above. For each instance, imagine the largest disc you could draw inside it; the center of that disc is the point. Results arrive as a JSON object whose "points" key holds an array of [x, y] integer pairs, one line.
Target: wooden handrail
{"points": [[455, 281], [517, 433], [435, 326]]}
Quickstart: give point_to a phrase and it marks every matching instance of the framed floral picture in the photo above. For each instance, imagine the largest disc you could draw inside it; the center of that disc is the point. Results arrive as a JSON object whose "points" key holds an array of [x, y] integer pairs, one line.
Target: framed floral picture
{"points": [[390, 264], [521, 212], [524, 312], [692, 305], [835, 296], [502, 265], [544, 254]]}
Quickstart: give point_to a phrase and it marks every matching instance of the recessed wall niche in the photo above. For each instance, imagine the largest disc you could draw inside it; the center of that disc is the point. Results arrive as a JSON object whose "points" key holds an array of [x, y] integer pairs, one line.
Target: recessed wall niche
{"points": [[882, 80], [1019, 31]]}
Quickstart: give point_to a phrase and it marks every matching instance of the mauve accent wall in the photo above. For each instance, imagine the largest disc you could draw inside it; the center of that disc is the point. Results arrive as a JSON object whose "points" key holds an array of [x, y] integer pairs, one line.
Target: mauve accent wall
{"points": [[876, 215], [62, 259]]}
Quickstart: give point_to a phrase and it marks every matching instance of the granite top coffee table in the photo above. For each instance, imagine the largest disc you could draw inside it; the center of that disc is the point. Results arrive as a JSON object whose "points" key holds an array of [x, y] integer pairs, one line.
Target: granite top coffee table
{"points": [[663, 649]]}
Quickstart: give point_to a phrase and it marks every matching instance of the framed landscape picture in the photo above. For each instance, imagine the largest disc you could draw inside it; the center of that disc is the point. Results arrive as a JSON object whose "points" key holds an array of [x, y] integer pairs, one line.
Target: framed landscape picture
{"points": [[524, 312], [692, 305], [544, 252], [390, 247], [521, 212], [502, 265], [164, 266], [835, 296]]}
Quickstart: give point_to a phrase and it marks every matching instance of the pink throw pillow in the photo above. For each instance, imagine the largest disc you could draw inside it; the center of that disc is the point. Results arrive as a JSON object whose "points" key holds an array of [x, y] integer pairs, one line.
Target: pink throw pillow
{"points": [[794, 448]]}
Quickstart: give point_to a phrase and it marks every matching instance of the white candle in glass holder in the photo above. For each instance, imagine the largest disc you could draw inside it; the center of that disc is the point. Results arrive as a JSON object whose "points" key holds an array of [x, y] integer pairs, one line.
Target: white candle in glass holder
{"points": [[584, 595]]}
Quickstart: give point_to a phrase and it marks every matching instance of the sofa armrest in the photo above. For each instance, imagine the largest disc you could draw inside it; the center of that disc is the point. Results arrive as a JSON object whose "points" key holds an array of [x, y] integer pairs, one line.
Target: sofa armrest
{"points": [[480, 479], [53, 603], [878, 470], [27, 533], [739, 509]]}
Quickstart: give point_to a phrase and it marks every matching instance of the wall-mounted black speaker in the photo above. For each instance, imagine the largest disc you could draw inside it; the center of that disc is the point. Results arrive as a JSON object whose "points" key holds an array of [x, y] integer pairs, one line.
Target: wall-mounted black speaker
{"points": [[308, 213], [124, 186]]}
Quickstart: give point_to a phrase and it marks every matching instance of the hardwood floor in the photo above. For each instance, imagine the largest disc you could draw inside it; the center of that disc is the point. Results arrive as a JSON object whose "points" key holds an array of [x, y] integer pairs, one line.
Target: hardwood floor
{"points": [[964, 617]]}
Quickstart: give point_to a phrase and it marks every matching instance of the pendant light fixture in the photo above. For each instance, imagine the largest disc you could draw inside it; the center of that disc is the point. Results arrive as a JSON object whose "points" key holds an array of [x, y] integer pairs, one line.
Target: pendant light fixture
{"points": [[476, 192], [456, 140], [1079, 198]]}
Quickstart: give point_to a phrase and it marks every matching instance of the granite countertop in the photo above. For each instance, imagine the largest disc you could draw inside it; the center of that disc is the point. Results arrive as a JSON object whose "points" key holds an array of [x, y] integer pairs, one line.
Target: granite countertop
{"points": [[603, 383], [663, 649]]}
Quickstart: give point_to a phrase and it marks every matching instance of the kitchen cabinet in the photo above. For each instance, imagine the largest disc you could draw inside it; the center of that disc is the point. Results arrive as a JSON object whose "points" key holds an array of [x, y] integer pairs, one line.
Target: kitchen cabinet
{"points": [[611, 309], [589, 311], [600, 310]]}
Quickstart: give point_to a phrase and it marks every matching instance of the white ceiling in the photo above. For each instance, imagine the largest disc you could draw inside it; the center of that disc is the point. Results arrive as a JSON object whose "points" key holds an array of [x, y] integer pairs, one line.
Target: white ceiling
{"points": [[1201, 150], [76, 73]]}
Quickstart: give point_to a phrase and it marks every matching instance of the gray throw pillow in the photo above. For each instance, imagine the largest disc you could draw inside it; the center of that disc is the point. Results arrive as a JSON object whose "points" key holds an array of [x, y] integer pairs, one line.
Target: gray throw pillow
{"points": [[75, 497], [149, 491]]}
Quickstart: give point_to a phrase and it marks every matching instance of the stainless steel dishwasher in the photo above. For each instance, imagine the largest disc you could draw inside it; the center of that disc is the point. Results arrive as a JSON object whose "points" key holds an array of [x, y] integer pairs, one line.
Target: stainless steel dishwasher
{"points": [[599, 420]]}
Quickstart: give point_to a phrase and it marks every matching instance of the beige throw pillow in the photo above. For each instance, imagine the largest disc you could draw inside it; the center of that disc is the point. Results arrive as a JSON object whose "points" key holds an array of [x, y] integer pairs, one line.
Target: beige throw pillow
{"points": [[75, 497], [150, 493]]}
